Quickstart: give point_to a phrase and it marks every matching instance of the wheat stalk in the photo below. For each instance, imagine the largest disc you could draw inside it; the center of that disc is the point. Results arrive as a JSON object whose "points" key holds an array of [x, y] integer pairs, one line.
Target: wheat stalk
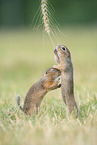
{"points": [[45, 15]]}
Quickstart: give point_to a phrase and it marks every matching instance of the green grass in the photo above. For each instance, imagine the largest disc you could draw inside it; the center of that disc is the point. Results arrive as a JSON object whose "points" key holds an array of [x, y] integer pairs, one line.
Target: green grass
{"points": [[24, 57]]}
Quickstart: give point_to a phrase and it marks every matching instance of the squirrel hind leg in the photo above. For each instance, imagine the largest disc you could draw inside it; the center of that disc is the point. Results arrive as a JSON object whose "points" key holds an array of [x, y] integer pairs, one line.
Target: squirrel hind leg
{"points": [[18, 102]]}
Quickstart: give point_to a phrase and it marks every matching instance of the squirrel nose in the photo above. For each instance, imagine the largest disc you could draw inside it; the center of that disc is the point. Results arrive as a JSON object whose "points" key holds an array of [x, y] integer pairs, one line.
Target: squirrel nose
{"points": [[59, 45]]}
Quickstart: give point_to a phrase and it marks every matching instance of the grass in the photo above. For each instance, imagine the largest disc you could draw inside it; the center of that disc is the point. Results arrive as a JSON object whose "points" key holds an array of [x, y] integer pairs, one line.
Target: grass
{"points": [[23, 59]]}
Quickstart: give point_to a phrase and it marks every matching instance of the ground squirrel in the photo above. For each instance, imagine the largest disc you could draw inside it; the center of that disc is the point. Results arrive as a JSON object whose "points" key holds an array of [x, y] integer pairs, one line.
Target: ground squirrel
{"points": [[34, 96], [63, 58]]}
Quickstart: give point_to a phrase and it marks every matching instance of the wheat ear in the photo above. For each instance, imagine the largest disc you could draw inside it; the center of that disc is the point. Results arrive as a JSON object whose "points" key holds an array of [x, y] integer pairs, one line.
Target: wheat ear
{"points": [[45, 15]]}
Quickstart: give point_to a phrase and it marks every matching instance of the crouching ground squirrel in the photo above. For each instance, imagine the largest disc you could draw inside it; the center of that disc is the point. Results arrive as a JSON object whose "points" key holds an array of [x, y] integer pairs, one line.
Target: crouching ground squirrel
{"points": [[63, 58], [34, 96]]}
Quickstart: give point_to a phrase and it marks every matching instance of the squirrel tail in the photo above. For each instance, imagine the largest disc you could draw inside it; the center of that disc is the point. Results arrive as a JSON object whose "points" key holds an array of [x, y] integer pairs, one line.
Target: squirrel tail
{"points": [[18, 102]]}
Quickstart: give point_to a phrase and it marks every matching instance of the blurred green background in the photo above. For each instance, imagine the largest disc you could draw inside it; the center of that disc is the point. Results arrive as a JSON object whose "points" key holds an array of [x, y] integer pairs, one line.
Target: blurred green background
{"points": [[21, 12]]}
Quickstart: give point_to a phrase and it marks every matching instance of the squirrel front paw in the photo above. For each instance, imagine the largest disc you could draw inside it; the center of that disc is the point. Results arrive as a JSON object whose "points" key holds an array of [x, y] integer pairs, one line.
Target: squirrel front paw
{"points": [[58, 79], [57, 67], [54, 66]]}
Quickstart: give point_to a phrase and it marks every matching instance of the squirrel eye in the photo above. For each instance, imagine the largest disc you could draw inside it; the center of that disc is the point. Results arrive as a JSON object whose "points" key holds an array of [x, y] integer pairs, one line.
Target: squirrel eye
{"points": [[46, 72], [63, 48]]}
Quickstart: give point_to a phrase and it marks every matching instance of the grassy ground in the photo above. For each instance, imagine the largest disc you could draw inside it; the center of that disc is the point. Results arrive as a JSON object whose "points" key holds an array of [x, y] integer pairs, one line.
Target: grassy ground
{"points": [[24, 56]]}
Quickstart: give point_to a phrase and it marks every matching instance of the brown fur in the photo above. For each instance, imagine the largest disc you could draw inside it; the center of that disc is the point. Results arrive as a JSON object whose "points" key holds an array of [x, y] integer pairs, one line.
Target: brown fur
{"points": [[67, 85], [35, 94]]}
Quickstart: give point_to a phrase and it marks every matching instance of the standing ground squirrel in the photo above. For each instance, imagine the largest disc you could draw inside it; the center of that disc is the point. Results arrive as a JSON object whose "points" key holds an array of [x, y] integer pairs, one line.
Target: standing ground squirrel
{"points": [[34, 96], [63, 58]]}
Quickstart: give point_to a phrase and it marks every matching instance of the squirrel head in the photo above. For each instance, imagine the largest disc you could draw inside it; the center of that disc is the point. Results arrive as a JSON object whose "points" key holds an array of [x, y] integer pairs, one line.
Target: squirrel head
{"points": [[52, 72], [51, 79], [62, 51]]}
